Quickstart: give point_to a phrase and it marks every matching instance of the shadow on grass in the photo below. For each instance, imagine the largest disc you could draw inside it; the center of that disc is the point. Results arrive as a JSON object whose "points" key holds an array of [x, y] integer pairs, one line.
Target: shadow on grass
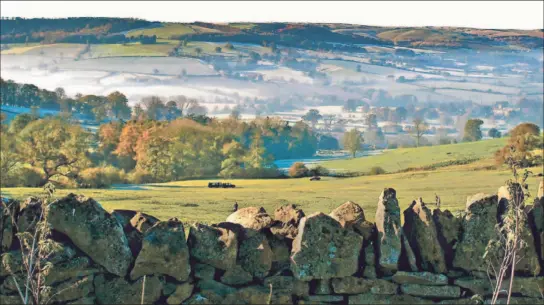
{"points": [[128, 187], [167, 186]]}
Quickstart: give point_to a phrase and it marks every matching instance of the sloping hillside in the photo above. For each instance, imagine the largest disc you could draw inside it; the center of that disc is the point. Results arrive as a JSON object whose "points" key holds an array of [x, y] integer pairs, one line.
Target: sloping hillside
{"points": [[453, 37], [20, 30], [403, 159], [112, 30]]}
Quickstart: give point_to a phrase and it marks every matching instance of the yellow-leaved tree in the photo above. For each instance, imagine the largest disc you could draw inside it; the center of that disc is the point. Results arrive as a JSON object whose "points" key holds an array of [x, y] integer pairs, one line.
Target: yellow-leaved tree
{"points": [[55, 147]]}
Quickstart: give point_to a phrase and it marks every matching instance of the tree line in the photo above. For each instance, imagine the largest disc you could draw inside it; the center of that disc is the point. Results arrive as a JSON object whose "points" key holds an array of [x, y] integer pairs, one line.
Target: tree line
{"points": [[104, 39], [90, 107], [157, 140], [21, 30], [97, 108], [36, 151]]}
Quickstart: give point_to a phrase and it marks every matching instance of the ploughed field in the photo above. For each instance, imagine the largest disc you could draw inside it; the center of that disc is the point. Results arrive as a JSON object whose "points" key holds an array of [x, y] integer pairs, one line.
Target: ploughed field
{"points": [[194, 201]]}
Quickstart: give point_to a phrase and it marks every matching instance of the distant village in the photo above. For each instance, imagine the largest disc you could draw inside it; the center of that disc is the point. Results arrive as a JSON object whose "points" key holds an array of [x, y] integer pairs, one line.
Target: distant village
{"points": [[391, 127]]}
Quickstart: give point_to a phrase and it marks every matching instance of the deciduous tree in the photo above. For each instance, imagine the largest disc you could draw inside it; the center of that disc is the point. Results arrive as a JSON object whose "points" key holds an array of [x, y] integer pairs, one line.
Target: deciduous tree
{"points": [[232, 165], [139, 112], [154, 107], [172, 111], [298, 169], [371, 121], [118, 103], [20, 122], [351, 105], [257, 157], [525, 129], [9, 157], [472, 130], [312, 116], [494, 133], [155, 155], [353, 141], [524, 138], [418, 130], [55, 147]]}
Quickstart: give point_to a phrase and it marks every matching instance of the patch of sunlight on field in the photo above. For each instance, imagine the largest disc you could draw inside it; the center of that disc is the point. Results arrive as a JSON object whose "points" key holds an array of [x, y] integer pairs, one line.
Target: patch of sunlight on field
{"points": [[242, 26], [194, 201], [208, 48], [400, 159], [168, 41], [164, 32], [200, 29], [132, 49], [19, 49]]}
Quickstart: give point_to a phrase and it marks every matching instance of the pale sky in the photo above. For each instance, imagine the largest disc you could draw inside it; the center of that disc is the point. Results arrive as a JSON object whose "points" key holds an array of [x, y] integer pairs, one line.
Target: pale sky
{"points": [[479, 14]]}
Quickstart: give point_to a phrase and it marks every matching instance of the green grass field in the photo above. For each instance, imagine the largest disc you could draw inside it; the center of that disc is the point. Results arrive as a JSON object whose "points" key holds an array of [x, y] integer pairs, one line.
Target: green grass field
{"points": [[242, 26], [396, 160], [97, 50], [164, 32], [207, 48], [194, 201], [161, 48], [19, 48], [51, 50], [131, 49]]}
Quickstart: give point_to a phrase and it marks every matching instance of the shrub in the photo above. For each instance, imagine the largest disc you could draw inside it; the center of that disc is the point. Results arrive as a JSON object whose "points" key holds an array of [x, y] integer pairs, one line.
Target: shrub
{"points": [[101, 177], [525, 129], [376, 170], [29, 177], [232, 172], [297, 170], [438, 165], [262, 173], [392, 146], [519, 154], [140, 176], [494, 133], [523, 139], [229, 46], [65, 182], [407, 145], [444, 141], [318, 171]]}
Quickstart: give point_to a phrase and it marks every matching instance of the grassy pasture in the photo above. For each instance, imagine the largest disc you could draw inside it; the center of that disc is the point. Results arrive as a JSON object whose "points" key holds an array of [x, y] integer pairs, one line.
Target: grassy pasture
{"points": [[193, 201], [164, 32], [200, 29], [17, 49], [483, 97], [57, 50], [131, 49], [400, 159], [242, 26], [208, 48], [468, 86]]}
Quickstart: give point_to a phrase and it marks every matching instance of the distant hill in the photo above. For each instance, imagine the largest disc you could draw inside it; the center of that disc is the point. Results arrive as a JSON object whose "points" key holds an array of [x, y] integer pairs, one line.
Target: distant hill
{"points": [[20, 30], [304, 35]]}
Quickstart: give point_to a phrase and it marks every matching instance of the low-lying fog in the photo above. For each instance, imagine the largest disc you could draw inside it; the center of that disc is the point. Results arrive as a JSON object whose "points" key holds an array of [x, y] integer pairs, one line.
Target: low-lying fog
{"points": [[338, 76]]}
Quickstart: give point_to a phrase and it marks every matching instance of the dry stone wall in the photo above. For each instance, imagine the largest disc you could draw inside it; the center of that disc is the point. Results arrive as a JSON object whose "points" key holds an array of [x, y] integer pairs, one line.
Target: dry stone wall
{"points": [[285, 257]]}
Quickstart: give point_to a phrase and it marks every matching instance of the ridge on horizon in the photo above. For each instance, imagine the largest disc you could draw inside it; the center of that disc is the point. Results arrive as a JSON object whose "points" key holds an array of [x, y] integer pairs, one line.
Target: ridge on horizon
{"points": [[22, 30], [241, 21]]}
